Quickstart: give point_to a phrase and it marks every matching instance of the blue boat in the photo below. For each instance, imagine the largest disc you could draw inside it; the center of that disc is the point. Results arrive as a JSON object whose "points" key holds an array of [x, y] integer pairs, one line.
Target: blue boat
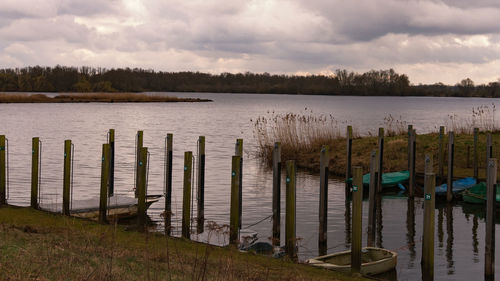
{"points": [[458, 186]]}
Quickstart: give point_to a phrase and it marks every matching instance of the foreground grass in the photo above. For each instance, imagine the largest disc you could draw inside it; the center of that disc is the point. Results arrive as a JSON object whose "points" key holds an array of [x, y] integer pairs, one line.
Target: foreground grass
{"points": [[92, 97], [35, 245]]}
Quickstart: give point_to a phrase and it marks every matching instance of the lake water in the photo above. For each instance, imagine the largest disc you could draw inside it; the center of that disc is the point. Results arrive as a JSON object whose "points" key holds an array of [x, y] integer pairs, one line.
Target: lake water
{"points": [[459, 252]]}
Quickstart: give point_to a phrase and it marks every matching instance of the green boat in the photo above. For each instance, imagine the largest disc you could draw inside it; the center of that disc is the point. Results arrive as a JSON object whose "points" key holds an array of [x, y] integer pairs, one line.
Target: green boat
{"points": [[388, 179], [477, 194]]}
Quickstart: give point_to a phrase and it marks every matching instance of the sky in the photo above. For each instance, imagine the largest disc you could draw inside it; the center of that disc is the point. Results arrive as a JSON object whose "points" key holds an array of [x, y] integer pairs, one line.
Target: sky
{"points": [[429, 40]]}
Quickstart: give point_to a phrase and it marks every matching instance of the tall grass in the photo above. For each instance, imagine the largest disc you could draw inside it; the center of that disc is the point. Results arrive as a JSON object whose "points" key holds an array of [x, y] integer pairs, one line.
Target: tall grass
{"points": [[482, 117]]}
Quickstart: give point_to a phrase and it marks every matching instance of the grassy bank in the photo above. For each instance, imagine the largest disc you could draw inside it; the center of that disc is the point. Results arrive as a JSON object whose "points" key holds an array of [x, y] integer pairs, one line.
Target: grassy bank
{"points": [[36, 245], [93, 97]]}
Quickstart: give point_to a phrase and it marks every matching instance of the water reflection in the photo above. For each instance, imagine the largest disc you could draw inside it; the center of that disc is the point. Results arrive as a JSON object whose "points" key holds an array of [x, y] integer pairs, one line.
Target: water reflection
{"points": [[475, 241], [410, 228], [380, 225], [449, 240], [347, 217]]}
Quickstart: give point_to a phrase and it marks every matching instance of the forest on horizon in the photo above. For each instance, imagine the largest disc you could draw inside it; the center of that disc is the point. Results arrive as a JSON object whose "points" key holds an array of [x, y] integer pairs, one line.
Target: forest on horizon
{"points": [[343, 82]]}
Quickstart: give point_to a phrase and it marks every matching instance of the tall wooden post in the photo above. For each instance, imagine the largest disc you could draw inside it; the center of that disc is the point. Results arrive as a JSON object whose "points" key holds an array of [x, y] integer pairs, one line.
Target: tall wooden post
{"points": [[234, 216], [441, 154], [201, 185], [141, 188], [348, 172], [105, 173], [475, 155], [491, 180], [186, 197], [139, 143], [429, 217], [67, 177], [410, 131], [323, 199], [380, 158], [372, 210], [357, 211], [413, 147], [111, 163], [168, 183], [276, 194], [3, 172], [239, 152], [451, 158], [290, 229], [35, 171], [489, 147]]}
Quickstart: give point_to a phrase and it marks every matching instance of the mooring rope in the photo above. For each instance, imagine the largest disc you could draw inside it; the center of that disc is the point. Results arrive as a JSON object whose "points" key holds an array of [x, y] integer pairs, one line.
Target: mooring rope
{"points": [[256, 223]]}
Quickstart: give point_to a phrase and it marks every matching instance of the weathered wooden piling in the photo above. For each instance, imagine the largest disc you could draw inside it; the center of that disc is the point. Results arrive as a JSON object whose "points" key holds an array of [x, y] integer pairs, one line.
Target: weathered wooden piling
{"points": [[357, 212], [139, 143], [234, 215], [348, 172], [3, 171], [141, 188], [67, 177], [168, 183], [451, 159], [276, 194], [186, 197], [35, 172], [427, 261], [290, 229], [475, 162], [409, 132], [413, 148], [491, 180], [111, 141], [441, 154], [489, 147], [105, 174], [238, 151], [371, 200], [324, 159], [380, 158], [201, 186]]}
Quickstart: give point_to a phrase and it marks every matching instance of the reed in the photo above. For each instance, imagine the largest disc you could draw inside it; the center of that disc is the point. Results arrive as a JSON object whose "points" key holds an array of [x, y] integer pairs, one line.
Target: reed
{"points": [[92, 97]]}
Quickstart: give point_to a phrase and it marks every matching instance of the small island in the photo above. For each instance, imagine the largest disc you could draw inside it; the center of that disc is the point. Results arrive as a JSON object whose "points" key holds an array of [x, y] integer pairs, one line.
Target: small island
{"points": [[93, 97]]}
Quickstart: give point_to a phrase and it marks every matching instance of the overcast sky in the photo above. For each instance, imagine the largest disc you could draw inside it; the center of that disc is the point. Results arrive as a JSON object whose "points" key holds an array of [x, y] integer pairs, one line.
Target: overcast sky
{"points": [[430, 40]]}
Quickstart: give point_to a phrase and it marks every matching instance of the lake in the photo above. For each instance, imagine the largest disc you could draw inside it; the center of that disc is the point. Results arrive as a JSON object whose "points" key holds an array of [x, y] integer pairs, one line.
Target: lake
{"points": [[459, 248]]}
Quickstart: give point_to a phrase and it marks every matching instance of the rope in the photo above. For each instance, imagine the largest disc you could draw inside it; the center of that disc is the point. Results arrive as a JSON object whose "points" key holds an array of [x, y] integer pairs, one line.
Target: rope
{"points": [[256, 223]]}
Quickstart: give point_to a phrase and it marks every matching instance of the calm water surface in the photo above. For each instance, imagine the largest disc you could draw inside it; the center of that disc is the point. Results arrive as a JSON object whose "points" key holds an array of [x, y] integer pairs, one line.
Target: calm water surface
{"points": [[459, 229]]}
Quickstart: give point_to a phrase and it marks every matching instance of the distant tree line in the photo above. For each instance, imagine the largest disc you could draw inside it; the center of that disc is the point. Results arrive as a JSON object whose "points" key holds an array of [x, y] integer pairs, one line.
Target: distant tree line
{"points": [[343, 82]]}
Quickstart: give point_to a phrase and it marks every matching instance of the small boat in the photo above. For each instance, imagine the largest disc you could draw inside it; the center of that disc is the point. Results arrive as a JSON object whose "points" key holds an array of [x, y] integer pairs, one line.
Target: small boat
{"points": [[373, 261], [388, 179], [458, 186], [477, 194]]}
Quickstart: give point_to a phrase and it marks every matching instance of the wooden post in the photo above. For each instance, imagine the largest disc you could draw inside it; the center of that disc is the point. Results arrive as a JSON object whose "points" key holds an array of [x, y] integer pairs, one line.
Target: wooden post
{"points": [[67, 177], [489, 148], [441, 154], [410, 132], [168, 184], [186, 197], [413, 147], [276, 194], [235, 204], [348, 172], [357, 211], [35, 171], [323, 199], [475, 156], [139, 143], [105, 173], [451, 158], [380, 158], [429, 206], [290, 230], [201, 185], [239, 152], [111, 188], [491, 180], [371, 204], [141, 191], [3, 172]]}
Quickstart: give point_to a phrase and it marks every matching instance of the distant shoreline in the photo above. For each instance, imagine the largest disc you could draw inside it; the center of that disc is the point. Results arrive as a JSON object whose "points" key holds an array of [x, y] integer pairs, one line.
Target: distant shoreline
{"points": [[93, 97]]}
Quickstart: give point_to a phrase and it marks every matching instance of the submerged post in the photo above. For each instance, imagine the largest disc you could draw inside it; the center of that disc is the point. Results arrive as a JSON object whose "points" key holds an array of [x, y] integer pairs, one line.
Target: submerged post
{"points": [[105, 173], [35, 171], [290, 230], [427, 261], [139, 142], [201, 185], [348, 172], [67, 177], [372, 210], [239, 152], [323, 199], [491, 180], [410, 131], [168, 183], [3, 172], [380, 158], [186, 197], [234, 217], [475, 156], [441, 154], [111, 189], [413, 148], [276, 194], [357, 198], [451, 158], [141, 188]]}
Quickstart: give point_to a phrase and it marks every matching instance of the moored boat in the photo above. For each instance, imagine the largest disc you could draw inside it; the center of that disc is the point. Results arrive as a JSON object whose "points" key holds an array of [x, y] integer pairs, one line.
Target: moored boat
{"points": [[477, 194], [389, 179], [458, 186]]}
